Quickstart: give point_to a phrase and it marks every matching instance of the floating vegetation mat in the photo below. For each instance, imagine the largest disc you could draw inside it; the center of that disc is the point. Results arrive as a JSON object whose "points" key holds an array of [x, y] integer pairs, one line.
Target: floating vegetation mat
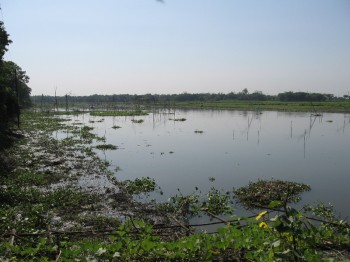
{"points": [[263, 192], [107, 147], [118, 113], [137, 121]]}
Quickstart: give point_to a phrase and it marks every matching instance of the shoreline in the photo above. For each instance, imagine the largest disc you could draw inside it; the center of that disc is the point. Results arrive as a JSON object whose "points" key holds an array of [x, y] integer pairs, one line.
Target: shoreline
{"points": [[68, 170]]}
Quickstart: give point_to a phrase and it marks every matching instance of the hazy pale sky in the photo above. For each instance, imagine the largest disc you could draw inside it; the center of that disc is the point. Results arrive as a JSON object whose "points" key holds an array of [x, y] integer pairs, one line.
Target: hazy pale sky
{"points": [[85, 47]]}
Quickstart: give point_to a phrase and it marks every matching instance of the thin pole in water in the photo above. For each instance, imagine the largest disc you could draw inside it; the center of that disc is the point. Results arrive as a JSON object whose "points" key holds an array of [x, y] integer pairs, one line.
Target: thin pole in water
{"points": [[17, 93], [305, 143]]}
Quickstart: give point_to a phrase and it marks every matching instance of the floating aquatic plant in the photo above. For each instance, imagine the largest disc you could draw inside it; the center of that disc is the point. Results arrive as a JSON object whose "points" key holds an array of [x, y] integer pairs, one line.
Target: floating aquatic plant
{"points": [[106, 147], [118, 113], [137, 121], [263, 192]]}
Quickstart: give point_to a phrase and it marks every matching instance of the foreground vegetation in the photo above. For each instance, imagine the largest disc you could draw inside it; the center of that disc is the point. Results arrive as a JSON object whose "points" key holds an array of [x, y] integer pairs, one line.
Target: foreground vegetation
{"points": [[61, 203]]}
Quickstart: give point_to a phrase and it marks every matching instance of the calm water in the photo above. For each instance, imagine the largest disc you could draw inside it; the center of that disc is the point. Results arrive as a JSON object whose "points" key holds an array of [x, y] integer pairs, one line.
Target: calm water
{"points": [[236, 147]]}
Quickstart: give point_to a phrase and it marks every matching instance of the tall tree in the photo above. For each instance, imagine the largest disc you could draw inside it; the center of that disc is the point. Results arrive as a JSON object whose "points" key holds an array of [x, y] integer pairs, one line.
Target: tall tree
{"points": [[14, 91], [6, 97], [4, 40]]}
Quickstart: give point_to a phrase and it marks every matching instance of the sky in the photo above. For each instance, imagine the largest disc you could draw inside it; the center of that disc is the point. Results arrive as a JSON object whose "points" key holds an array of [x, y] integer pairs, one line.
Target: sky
{"points": [[86, 47]]}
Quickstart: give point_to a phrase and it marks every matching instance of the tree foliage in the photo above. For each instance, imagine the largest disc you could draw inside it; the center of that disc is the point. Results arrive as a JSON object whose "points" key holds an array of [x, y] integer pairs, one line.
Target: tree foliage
{"points": [[303, 96], [14, 91], [243, 95]]}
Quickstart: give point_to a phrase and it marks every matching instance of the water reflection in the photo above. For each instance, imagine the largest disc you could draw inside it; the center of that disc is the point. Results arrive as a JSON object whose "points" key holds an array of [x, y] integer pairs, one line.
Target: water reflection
{"points": [[236, 147]]}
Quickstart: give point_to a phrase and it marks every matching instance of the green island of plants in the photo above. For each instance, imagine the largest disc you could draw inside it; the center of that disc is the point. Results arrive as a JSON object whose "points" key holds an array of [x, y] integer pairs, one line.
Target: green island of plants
{"points": [[262, 192], [118, 113], [107, 147], [137, 121]]}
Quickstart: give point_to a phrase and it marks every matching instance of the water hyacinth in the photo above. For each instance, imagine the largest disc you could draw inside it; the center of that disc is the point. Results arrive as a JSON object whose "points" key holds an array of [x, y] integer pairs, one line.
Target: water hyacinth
{"points": [[263, 192]]}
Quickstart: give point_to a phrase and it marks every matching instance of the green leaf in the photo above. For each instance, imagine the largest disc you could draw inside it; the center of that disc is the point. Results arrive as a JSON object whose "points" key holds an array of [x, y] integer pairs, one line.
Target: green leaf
{"points": [[275, 203]]}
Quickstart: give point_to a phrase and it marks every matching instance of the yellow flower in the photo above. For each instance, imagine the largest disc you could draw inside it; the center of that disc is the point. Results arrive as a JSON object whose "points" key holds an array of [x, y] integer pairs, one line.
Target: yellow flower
{"points": [[261, 215], [263, 225]]}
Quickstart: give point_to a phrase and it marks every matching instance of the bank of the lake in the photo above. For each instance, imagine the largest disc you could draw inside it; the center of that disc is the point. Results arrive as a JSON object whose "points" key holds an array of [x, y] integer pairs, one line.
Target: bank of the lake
{"points": [[61, 184], [301, 106]]}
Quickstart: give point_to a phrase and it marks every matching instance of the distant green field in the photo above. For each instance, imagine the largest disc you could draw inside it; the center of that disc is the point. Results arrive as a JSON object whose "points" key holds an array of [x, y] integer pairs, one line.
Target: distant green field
{"points": [[131, 109], [118, 113], [270, 105]]}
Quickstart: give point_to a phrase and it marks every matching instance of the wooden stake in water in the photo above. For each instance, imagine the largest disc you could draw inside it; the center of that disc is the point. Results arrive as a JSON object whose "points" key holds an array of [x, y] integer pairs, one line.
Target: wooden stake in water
{"points": [[304, 143], [18, 112], [66, 102], [56, 102]]}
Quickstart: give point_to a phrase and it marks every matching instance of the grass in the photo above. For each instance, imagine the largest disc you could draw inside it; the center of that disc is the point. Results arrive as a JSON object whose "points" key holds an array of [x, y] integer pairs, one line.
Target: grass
{"points": [[107, 147], [140, 185], [43, 183], [270, 105], [118, 113], [180, 119], [74, 112], [137, 121]]}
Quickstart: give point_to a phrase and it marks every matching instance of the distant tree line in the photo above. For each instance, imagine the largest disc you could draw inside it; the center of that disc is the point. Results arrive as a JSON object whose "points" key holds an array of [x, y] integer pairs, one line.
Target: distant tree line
{"points": [[14, 91], [302, 96], [187, 97]]}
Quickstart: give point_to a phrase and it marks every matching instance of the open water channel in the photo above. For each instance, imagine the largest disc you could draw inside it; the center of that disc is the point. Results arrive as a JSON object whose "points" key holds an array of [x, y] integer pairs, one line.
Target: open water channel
{"points": [[234, 147]]}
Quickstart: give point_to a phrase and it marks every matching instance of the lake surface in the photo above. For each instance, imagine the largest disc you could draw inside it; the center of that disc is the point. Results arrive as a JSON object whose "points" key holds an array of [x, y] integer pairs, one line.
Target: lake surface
{"points": [[236, 147]]}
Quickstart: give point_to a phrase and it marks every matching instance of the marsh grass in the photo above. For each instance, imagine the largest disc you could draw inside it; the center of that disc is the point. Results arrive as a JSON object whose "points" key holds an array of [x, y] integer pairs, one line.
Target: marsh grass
{"points": [[137, 121], [30, 178], [263, 192], [98, 222], [42, 177], [180, 119], [107, 147], [118, 113], [140, 185], [330, 106], [68, 113]]}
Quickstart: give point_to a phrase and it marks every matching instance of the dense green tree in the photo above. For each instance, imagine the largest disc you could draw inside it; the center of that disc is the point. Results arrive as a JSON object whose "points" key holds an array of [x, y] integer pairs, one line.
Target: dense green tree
{"points": [[303, 96], [4, 40], [14, 77], [14, 91], [7, 99]]}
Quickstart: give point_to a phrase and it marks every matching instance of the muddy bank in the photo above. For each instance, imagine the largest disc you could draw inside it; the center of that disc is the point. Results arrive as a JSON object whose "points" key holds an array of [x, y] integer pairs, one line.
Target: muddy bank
{"points": [[64, 179]]}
